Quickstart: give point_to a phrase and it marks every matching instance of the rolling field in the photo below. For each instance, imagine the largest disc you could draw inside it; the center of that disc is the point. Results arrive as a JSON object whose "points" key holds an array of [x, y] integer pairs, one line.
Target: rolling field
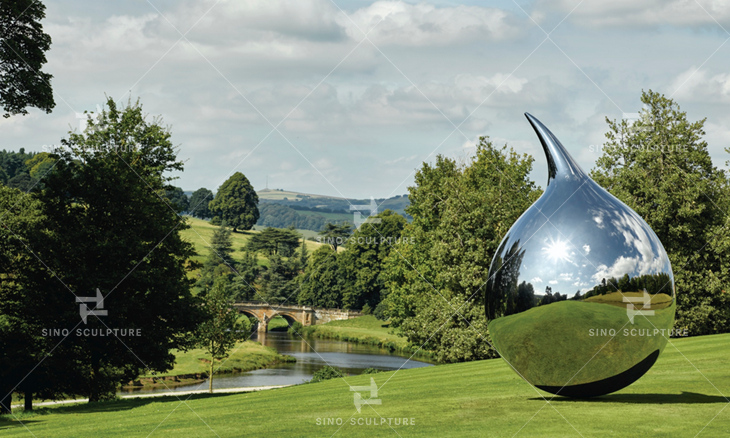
{"points": [[682, 395]]}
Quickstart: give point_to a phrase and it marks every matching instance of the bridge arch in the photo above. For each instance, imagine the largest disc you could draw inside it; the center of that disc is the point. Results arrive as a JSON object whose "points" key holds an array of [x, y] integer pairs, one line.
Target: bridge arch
{"points": [[263, 312]]}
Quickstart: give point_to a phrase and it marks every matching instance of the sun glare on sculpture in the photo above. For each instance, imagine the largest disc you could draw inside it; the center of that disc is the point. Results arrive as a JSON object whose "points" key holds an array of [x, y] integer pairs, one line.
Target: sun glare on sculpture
{"points": [[557, 250]]}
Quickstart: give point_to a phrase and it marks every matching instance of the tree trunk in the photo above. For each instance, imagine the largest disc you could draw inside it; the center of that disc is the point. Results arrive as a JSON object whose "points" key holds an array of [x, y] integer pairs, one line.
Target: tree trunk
{"points": [[210, 377], [5, 402], [28, 401]]}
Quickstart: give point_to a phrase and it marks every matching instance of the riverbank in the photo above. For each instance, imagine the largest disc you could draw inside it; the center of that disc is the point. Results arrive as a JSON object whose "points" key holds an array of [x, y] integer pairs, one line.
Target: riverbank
{"points": [[193, 366], [682, 395], [366, 330]]}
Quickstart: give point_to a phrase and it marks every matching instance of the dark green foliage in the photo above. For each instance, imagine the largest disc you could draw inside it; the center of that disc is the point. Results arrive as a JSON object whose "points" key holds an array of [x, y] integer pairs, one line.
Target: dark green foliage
{"points": [[661, 168], [22, 182], [112, 232], [14, 163], [326, 373], [437, 272], [22, 55], [381, 311], [335, 235], [276, 215], [220, 269], [278, 282], [322, 282], [177, 198], [371, 371], [198, 205], [236, 203], [272, 241], [362, 262]]}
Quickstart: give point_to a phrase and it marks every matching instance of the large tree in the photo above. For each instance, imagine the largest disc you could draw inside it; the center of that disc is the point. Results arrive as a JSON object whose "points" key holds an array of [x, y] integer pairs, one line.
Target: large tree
{"points": [[117, 235], [272, 241], [335, 235], [177, 198], [321, 283], [236, 202], [436, 274], [22, 55], [660, 167], [362, 261]]}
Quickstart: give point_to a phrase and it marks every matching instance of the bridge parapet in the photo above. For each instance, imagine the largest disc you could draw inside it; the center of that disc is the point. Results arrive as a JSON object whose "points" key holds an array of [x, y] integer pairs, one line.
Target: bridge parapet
{"points": [[305, 315]]}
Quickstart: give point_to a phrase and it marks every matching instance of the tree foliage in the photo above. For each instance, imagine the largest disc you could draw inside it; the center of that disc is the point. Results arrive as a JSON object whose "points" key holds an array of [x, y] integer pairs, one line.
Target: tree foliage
{"points": [[236, 202], [335, 234], [198, 205], [177, 198], [322, 282], [113, 232], [437, 272], [660, 167], [22, 56], [270, 241]]}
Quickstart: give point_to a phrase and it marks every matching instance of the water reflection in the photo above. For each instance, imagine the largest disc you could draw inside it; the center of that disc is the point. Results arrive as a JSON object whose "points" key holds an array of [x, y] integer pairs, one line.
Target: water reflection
{"points": [[311, 355]]}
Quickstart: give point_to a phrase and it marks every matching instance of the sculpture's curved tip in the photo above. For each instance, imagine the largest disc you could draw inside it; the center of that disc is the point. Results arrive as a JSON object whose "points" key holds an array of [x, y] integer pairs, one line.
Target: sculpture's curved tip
{"points": [[559, 160]]}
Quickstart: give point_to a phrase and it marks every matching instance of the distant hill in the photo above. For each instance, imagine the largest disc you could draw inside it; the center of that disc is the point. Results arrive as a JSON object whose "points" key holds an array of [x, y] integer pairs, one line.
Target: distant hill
{"points": [[282, 208]]}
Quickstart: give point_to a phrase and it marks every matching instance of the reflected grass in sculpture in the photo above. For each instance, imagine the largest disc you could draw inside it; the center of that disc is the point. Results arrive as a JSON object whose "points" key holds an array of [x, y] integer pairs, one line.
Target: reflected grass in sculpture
{"points": [[556, 344]]}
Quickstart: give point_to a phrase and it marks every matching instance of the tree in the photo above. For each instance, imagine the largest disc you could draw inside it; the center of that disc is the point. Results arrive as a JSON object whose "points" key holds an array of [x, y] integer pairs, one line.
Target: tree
{"points": [[222, 329], [437, 271], [335, 235], [22, 182], [199, 201], [177, 198], [321, 284], [236, 203], [363, 260], [30, 363], [113, 233], [272, 241], [22, 55], [661, 168], [278, 281]]}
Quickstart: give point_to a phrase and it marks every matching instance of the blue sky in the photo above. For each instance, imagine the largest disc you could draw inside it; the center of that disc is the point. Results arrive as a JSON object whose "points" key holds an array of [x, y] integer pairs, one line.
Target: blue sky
{"points": [[293, 90]]}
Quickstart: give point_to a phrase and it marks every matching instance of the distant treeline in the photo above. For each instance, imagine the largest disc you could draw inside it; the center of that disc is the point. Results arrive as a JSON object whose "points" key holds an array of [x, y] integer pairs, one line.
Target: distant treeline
{"points": [[282, 216]]}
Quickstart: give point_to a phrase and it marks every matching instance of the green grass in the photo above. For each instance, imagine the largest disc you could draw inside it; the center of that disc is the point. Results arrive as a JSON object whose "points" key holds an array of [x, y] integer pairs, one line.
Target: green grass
{"points": [[278, 323], [364, 330], [246, 356], [679, 396]]}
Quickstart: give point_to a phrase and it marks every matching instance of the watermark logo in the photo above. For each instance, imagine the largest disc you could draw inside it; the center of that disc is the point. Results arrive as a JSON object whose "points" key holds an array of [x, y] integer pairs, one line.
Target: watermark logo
{"points": [[98, 310], [644, 300], [357, 216], [359, 401], [83, 118]]}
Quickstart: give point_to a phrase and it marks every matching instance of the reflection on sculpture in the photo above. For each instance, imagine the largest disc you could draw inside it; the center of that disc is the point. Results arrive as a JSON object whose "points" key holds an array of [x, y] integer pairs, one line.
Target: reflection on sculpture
{"points": [[580, 298]]}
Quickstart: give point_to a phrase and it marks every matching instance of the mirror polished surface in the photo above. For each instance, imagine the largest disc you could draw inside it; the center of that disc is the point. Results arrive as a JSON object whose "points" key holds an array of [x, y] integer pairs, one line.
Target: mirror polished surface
{"points": [[580, 298]]}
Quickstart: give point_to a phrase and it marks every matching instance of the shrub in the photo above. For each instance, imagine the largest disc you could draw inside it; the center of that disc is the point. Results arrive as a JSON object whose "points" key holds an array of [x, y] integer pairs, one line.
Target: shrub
{"points": [[326, 373], [296, 329]]}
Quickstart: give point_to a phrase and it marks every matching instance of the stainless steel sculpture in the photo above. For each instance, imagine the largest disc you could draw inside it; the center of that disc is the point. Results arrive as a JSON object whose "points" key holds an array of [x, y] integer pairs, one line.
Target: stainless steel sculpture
{"points": [[580, 298]]}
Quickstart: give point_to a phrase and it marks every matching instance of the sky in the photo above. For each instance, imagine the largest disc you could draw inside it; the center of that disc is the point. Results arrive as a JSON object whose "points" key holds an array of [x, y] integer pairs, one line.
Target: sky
{"points": [[348, 98]]}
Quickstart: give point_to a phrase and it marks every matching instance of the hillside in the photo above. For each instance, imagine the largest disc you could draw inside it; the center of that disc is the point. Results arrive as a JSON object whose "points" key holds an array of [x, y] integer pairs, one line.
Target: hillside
{"points": [[281, 209]]}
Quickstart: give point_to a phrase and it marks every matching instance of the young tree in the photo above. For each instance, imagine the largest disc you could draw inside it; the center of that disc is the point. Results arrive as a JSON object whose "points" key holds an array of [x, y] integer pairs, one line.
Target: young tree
{"points": [[660, 167], [222, 329], [199, 203], [114, 233], [22, 55], [436, 274], [236, 203]]}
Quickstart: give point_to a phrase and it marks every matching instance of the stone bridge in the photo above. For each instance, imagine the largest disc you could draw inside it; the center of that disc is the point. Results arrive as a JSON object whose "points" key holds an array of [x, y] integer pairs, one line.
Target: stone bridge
{"points": [[263, 312]]}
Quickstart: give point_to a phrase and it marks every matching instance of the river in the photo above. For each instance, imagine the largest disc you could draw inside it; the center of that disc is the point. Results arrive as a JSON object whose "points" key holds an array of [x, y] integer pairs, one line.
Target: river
{"points": [[311, 355]]}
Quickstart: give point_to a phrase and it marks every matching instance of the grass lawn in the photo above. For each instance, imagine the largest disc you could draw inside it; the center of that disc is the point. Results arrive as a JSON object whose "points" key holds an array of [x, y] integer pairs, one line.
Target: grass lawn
{"points": [[278, 323], [680, 396], [364, 330], [200, 233]]}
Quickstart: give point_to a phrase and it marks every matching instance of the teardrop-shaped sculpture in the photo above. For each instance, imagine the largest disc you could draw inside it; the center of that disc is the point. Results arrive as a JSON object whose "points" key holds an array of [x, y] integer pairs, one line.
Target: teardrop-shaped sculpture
{"points": [[580, 298]]}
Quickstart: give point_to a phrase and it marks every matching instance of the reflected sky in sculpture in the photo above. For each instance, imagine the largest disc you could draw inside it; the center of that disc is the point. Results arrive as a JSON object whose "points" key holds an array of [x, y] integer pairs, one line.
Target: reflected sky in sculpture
{"points": [[577, 253]]}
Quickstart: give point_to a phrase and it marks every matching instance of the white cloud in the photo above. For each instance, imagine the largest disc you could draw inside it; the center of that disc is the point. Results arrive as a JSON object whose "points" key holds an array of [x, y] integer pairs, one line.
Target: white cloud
{"points": [[627, 13], [701, 85], [399, 23], [536, 280]]}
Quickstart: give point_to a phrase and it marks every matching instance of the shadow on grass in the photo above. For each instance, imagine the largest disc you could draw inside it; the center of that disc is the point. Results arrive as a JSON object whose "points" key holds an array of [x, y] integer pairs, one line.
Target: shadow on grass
{"points": [[659, 399], [98, 407]]}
